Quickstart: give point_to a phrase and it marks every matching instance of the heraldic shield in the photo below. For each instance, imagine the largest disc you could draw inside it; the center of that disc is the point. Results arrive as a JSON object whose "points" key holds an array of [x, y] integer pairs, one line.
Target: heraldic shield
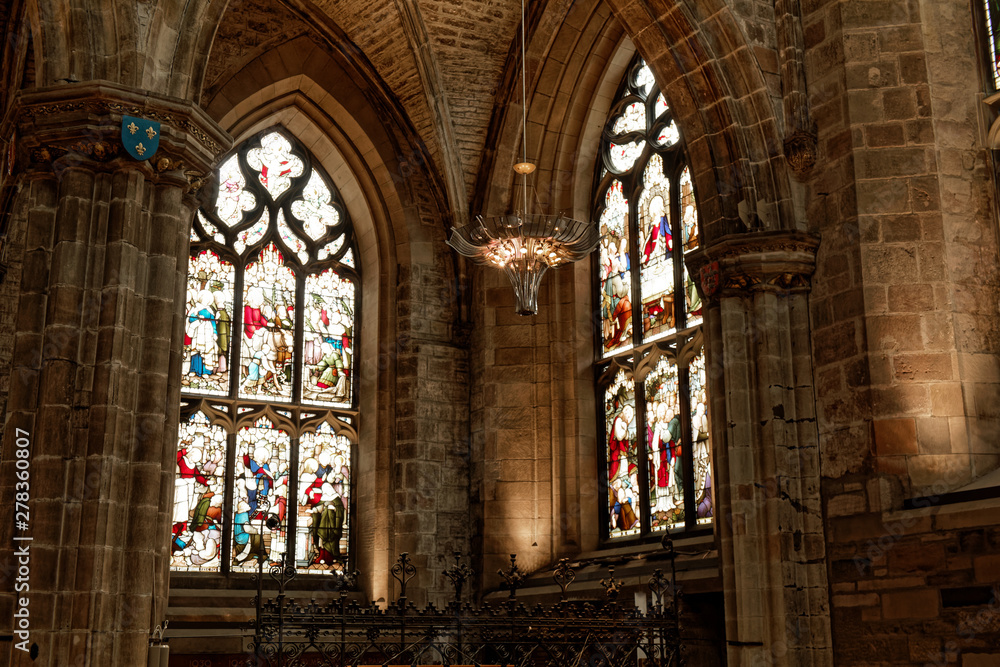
{"points": [[140, 137]]}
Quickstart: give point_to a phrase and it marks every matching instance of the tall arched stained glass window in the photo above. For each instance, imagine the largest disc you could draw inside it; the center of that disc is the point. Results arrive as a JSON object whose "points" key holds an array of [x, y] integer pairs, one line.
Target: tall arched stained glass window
{"points": [[268, 417], [650, 368]]}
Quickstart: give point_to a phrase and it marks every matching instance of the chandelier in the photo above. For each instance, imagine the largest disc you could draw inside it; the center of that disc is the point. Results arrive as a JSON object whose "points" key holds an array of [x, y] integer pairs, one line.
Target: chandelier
{"points": [[522, 244]]}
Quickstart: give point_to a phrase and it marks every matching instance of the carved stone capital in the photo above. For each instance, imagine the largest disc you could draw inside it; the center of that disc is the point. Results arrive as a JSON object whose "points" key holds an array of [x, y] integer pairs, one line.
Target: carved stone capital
{"points": [[80, 124], [740, 264]]}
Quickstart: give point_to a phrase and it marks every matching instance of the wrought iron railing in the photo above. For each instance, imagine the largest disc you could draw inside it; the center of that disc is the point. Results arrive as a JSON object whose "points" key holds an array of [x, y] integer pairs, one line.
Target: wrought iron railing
{"points": [[567, 633]]}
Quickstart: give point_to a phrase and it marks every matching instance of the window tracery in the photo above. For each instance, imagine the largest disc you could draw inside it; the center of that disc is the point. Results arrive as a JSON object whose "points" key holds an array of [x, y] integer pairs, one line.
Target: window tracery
{"points": [[650, 368], [268, 418]]}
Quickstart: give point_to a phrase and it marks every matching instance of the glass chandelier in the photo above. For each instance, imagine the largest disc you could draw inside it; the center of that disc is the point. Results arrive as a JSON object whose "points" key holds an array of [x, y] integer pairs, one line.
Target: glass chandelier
{"points": [[521, 244]]}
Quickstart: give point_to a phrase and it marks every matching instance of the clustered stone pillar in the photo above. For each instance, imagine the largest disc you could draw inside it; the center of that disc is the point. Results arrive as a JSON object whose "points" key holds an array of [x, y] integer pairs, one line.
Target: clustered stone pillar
{"points": [[766, 448], [95, 376]]}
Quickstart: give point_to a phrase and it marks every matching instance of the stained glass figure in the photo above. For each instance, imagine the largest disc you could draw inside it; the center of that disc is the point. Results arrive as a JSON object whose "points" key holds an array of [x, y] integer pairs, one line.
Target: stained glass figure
{"points": [[275, 163], [616, 271], [328, 349], [233, 198], [692, 301], [199, 493], [622, 456], [664, 446], [656, 266], [260, 492], [268, 321], [689, 212], [700, 439], [291, 319], [324, 483], [207, 325]]}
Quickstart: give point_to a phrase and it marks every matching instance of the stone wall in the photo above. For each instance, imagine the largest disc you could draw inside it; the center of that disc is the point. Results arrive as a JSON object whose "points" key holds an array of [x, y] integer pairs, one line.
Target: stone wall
{"points": [[918, 587]]}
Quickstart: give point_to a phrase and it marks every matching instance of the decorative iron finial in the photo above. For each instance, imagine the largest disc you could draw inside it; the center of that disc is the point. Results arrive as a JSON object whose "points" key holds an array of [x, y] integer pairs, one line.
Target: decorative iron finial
{"points": [[564, 576], [403, 570], [612, 586], [513, 577], [658, 585], [458, 574], [345, 581], [282, 574]]}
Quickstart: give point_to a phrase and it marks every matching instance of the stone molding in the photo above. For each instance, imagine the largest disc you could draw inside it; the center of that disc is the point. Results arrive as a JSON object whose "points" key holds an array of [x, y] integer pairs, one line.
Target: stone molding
{"points": [[740, 264], [59, 126]]}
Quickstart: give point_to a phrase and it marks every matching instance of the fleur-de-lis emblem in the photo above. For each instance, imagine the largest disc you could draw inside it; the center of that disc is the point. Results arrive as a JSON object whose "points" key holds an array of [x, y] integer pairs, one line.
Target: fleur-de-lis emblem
{"points": [[146, 131]]}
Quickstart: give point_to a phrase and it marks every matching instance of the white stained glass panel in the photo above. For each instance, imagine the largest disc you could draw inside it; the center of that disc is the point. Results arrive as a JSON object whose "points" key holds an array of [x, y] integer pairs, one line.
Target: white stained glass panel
{"points": [[268, 328], [664, 446], [260, 493], [210, 229], [207, 325], [661, 105], [314, 208], [251, 235], [645, 80], [330, 249], [328, 340], [668, 136], [689, 212], [633, 120], [704, 500], [622, 457], [623, 157], [233, 199], [291, 239], [199, 493], [324, 502], [656, 265], [616, 272], [275, 163]]}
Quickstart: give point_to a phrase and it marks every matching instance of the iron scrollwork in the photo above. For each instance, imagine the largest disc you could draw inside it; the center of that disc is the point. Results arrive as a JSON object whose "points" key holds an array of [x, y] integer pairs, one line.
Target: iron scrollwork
{"points": [[351, 633]]}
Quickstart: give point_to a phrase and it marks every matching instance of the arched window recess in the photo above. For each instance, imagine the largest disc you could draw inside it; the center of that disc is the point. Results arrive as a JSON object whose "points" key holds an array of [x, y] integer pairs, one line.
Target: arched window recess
{"points": [[650, 362], [269, 408]]}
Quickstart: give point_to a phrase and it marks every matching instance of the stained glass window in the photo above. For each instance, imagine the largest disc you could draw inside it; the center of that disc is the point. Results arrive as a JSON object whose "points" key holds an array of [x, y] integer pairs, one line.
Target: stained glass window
{"points": [[651, 364], [270, 326]]}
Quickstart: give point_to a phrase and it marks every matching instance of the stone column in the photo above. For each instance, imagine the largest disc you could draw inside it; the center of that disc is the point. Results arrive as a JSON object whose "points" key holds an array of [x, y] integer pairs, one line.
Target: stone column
{"points": [[95, 376], [769, 517]]}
